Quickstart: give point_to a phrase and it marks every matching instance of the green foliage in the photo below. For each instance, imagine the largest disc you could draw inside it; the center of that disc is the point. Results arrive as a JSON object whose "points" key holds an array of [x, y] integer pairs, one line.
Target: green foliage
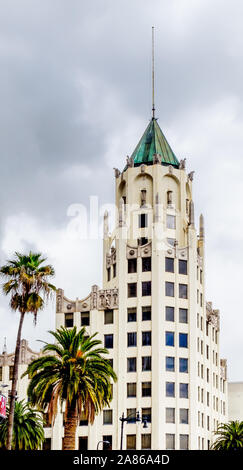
{"points": [[76, 372], [28, 432], [230, 436]]}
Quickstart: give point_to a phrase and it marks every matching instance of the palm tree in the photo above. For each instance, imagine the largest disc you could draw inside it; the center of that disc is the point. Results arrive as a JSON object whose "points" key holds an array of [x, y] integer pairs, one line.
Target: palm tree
{"points": [[76, 373], [28, 432], [27, 283], [230, 436]]}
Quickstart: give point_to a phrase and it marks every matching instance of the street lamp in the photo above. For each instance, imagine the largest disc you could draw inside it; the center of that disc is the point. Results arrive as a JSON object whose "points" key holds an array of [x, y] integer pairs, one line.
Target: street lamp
{"points": [[131, 418], [104, 442]]}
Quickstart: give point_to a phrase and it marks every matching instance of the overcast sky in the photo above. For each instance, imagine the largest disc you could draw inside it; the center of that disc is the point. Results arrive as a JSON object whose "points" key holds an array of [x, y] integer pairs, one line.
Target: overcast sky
{"points": [[75, 98]]}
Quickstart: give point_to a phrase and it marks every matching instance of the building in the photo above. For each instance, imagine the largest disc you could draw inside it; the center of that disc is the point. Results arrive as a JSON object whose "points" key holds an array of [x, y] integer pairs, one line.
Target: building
{"points": [[151, 312], [235, 392]]}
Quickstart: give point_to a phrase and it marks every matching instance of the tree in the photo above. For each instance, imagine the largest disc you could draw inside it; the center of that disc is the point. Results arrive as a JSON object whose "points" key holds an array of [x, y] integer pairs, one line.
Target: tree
{"points": [[28, 432], [27, 283], [77, 373], [230, 436]]}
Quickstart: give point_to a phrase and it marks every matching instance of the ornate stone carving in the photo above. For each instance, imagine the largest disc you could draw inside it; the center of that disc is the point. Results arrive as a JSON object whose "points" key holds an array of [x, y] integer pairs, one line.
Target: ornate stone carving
{"points": [[170, 169], [107, 298], [182, 164], [143, 168], [130, 162], [94, 297], [191, 175], [117, 172], [156, 158], [213, 316], [59, 300]]}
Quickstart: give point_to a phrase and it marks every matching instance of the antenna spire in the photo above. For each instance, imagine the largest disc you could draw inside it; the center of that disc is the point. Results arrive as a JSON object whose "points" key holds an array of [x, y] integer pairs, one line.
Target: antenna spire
{"points": [[153, 106]]}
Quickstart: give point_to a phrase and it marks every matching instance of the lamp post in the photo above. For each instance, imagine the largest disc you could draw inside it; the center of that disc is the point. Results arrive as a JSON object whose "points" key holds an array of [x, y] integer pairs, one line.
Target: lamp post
{"points": [[130, 417]]}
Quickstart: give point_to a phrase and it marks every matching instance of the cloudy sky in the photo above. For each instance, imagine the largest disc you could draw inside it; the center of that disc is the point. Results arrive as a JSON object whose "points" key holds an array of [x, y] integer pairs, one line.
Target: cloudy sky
{"points": [[75, 94]]}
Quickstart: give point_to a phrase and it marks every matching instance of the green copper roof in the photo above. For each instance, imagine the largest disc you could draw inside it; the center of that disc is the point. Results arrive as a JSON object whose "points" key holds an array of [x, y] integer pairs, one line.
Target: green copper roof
{"points": [[153, 141]]}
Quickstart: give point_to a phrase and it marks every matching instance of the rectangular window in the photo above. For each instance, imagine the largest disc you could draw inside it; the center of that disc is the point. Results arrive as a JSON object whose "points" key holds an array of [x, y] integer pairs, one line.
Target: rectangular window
{"points": [[107, 416], [146, 313], [169, 265], [132, 265], [1, 374], [146, 264], [170, 389], [183, 364], [182, 266], [131, 441], [183, 340], [68, 320], [170, 221], [107, 442], [85, 319], [143, 220], [131, 339], [146, 288], [131, 364], [170, 415], [183, 317], [146, 441], [169, 289], [170, 441], [146, 415], [146, 363], [132, 314], [169, 313], [169, 338], [170, 364], [146, 338], [183, 390], [184, 441], [11, 369], [132, 289], [114, 270], [183, 291], [108, 341], [183, 415], [131, 389], [131, 414], [83, 419], [108, 317], [142, 241], [146, 389], [108, 274], [83, 443]]}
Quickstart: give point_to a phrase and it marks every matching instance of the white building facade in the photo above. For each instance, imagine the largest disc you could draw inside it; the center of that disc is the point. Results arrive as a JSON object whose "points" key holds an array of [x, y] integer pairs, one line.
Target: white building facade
{"points": [[151, 313]]}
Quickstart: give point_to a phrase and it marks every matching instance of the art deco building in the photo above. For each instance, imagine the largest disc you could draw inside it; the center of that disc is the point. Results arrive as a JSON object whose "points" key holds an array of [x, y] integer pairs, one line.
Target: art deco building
{"points": [[151, 312]]}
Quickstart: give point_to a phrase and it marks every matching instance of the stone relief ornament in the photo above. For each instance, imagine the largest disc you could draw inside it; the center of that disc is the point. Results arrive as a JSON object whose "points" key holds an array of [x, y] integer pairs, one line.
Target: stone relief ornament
{"points": [[182, 164], [130, 162], [191, 175], [117, 172]]}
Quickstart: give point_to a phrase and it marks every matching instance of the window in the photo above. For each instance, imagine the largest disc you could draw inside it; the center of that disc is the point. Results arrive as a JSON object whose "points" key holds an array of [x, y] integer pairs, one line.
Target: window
{"points": [[183, 315], [170, 363], [169, 198], [108, 274], [68, 320], [108, 317], [47, 444], [183, 291], [108, 341], [131, 314], [183, 341], [169, 265], [146, 414], [1, 374], [182, 266], [107, 439], [143, 220], [146, 338], [183, 364], [170, 221], [131, 441], [169, 289], [132, 289], [184, 441], [131, 364], [46, 422], [183, 390], [11, 368], [146, 389], [146, 363], [132, 265], [142, 241], [114, 270], [170, 441], [83, 420], [170, 389], [131, 389], [131, 339], [146, 288], [169, 313], [183, 415], [83, 443], [169, 338], [146, 441], [85, 319], [170, 415], [146, 264], [132, 414], [146, 313]]}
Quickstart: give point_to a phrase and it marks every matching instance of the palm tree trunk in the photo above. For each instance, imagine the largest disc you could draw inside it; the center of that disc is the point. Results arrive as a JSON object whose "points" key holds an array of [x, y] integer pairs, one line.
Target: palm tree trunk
{"points": [[70, 427], [14, 384]]}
